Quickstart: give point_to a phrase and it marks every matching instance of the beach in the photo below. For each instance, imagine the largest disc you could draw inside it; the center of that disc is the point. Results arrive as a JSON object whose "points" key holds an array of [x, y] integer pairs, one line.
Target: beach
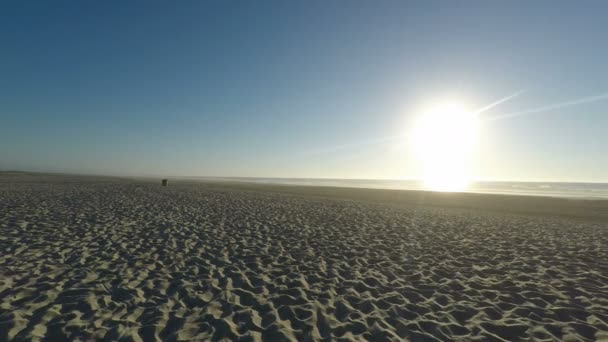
{"points": [[110, 258]]}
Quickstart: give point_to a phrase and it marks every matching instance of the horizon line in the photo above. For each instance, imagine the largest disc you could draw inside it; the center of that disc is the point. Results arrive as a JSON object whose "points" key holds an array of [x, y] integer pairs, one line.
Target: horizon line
{"points": [[285, 177]]}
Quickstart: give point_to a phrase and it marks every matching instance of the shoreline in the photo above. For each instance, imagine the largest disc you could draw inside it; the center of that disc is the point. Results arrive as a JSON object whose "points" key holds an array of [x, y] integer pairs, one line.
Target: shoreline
{"points": [[588, 209], [552, 189], [581, 190], [578, 208]]}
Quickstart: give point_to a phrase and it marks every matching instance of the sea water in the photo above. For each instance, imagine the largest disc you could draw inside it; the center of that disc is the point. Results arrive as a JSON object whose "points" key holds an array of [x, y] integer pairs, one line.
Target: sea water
{"points": [[552, 189]]}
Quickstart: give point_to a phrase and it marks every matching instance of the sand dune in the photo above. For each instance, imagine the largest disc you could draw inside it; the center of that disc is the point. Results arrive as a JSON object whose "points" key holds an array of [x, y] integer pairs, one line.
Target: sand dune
{"points": [[106, 258]]}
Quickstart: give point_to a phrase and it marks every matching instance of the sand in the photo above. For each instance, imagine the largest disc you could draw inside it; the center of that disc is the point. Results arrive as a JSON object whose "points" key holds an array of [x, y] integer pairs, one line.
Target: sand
{"points": [[86, 258]]}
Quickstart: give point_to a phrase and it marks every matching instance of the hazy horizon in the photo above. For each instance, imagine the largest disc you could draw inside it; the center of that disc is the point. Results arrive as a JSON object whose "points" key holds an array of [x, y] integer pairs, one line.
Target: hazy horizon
{"points": [[305, 90], [286, 178]]}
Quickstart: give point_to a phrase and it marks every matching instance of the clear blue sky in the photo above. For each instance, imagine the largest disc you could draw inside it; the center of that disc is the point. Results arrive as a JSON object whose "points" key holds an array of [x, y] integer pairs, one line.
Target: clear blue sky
{"points": [[297, 89]]}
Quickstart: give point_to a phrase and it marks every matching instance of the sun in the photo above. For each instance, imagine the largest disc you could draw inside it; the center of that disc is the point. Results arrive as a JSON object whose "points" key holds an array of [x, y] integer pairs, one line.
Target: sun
{"points": [[444, 140]]}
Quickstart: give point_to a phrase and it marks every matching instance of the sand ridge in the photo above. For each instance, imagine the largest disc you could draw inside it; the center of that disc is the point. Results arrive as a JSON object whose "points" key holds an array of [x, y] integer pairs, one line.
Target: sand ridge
{"points": [[88, 258]]}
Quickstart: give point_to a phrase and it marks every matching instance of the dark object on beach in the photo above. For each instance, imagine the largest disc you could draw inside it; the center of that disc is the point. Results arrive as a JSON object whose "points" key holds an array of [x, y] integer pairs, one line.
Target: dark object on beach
{"points": [[165, 182]]}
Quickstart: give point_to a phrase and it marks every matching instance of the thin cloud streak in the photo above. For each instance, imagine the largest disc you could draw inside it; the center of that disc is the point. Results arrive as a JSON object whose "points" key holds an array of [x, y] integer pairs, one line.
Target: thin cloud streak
{"points": [[496, 103], [583, 100], [402, 138]]}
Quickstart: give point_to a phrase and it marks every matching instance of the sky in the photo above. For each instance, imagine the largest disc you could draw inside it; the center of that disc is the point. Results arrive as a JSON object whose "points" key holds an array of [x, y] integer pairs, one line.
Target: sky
{"points": [[314, 89]]}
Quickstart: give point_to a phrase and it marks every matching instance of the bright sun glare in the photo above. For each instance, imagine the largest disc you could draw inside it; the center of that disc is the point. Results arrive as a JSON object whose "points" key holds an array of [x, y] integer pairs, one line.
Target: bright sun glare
{"points": [[444, 140]]}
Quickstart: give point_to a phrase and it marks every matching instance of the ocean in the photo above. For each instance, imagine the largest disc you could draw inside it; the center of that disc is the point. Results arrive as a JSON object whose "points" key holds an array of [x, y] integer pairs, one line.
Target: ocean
{"points": [[551, 189]]}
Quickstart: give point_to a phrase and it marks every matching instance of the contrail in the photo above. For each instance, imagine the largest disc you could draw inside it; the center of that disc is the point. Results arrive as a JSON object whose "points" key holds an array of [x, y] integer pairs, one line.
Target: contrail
{"points": [[383, 140], [496, 103], [583, 100]]}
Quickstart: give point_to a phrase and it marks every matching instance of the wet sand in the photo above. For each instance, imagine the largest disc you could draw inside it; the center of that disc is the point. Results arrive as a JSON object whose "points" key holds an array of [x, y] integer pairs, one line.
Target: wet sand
{"points": [[109, 258]]}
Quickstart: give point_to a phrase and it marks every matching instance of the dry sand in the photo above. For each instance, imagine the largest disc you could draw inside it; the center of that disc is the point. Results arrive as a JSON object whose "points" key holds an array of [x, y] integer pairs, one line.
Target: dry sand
{"points": [[106, 258]]}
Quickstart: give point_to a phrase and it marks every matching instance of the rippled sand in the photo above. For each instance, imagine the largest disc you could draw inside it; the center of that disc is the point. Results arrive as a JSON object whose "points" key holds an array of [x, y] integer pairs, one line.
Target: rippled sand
{"points": [[90, 258]]}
